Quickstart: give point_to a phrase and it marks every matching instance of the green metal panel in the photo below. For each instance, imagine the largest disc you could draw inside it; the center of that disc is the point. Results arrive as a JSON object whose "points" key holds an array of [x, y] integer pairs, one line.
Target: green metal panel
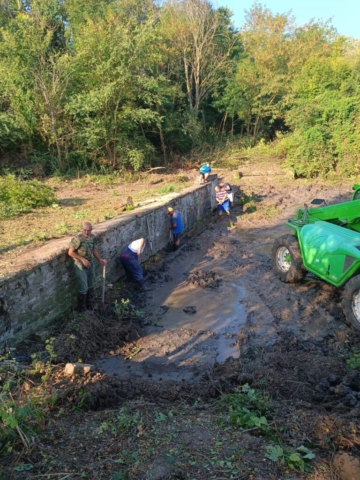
{"points": [[330, 251]]}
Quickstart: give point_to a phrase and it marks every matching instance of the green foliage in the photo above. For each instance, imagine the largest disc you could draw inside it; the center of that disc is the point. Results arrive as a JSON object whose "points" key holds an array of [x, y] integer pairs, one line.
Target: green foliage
{"points": [[324, 117], [125, 311], [42, 365], [295, 459], [124, 421], [62, 228], [82, 401], [117, 86], [246, 408], [249, 201], [166, 189], [20, 418], [17, 196], [353, 362]]}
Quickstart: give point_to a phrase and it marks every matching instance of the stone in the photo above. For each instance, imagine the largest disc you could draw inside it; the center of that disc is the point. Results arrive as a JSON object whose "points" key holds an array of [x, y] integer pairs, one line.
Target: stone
{"points": [[78, 369]]}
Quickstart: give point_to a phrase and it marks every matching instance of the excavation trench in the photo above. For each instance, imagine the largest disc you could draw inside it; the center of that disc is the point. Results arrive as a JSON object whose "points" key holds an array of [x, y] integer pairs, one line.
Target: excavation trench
{"points": [[195, 310]]}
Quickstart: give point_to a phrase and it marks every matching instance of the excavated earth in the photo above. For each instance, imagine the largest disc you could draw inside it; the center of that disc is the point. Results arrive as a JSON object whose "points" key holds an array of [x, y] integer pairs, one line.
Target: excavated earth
{"points": [[212, 320]]}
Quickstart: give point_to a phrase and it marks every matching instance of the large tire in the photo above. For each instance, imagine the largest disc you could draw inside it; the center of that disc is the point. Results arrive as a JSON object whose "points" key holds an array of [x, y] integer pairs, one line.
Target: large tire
{"points": [[286, 259], [351, 301]]}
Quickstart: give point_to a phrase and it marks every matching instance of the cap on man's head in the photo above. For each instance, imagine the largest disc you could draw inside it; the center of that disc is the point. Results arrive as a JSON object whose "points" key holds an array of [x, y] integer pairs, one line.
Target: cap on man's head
{"points": [[170, 209]]}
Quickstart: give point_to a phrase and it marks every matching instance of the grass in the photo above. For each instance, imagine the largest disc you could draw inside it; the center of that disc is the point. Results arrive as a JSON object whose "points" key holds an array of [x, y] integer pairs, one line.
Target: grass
{"points": [[68, 203]]}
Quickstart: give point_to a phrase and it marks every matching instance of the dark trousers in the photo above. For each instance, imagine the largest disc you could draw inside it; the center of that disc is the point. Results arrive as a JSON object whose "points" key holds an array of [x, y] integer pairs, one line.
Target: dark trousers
{"points": [[129, 261]]}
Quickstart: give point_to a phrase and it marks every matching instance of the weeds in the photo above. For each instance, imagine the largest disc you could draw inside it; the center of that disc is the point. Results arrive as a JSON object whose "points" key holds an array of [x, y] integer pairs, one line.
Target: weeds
{"points": [[246, 408], [125, 311], [353, 363], [166, 189], [123, 422], [297, 459], [22, 418], [82, 404], [62, 228], [250, 410], [17, 196], [270, 211], [248, 202]]}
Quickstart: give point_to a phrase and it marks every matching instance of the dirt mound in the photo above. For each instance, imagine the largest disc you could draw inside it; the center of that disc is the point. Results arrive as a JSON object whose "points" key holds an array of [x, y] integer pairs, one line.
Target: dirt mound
{"points": [[205, 279]]}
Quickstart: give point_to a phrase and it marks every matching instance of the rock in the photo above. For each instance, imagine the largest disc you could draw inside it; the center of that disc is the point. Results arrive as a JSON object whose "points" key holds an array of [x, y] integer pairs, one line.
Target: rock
{"points": [[347, 467], [77, 368], [190, 309]]}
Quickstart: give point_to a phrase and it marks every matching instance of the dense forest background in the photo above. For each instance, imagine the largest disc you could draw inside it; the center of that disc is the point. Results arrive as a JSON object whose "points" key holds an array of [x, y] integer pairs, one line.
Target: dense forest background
{"points": [[123, 84]]}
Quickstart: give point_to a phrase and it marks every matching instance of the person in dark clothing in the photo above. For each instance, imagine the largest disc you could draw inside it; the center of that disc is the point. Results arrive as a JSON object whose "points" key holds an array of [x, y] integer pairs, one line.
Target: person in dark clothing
{"points": [[176, 226], [130, 260], [82, 250]]}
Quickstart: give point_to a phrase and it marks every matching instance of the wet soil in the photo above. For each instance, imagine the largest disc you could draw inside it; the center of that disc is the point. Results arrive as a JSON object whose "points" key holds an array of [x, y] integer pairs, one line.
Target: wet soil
{"points": [[213, 321]]}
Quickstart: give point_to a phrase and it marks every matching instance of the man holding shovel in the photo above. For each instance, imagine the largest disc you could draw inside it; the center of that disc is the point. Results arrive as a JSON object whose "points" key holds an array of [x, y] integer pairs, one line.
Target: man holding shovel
{"points": [[83, 250], [176, 227]]}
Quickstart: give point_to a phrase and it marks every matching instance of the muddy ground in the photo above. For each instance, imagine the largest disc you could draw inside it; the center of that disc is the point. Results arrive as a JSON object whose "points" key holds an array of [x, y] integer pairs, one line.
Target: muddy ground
{"points": [[213, 326]]}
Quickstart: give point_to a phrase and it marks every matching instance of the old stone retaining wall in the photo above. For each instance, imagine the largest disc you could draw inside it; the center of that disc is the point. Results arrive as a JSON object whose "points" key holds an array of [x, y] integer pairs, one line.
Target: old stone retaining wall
{"points": [[43, 286]]}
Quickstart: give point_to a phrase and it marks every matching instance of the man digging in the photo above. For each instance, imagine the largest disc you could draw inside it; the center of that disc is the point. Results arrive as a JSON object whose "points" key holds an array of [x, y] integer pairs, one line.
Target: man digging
{"points": [[176, 226], [223, 203], [82, 249]]}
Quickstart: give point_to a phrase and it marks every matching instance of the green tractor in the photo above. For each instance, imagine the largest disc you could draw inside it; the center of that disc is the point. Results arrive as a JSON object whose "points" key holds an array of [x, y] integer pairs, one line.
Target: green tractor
{"points": [[326, 242]]}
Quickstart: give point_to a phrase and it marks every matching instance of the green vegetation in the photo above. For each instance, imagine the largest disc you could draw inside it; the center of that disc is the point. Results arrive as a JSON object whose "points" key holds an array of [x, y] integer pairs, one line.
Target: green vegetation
{"points": [[92, 88], [297, 459], [249, 410], [246, 408], [23, 416], [125, 311], [17, 196], [353, 362]]}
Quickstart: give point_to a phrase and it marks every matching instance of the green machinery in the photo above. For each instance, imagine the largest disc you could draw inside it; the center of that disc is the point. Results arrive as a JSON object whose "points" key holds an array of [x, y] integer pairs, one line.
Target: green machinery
{"points": [[326, 242]]}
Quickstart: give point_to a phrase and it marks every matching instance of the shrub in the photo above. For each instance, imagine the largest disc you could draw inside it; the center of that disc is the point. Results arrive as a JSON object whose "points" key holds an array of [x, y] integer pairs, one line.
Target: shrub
{"points": [[18, 196]]}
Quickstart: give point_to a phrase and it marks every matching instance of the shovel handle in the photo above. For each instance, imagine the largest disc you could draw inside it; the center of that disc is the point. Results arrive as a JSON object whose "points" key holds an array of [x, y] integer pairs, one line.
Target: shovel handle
{"points": [[103, 284], [149, 232]]}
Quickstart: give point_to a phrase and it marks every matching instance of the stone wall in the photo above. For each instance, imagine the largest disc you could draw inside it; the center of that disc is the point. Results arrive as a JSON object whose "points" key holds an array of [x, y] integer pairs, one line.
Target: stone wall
{"points": [[43, 285]]}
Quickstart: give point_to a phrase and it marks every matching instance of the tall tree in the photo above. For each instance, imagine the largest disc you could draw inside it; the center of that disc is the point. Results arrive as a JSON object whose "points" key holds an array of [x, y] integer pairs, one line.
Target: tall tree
{"points": [[33, 54], [114, 89], [203, 39]]}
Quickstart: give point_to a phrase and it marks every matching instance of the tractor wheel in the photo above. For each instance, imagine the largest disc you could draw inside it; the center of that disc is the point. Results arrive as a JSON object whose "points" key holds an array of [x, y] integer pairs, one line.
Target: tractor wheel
{"points": [[351, 301], [286, 259]]}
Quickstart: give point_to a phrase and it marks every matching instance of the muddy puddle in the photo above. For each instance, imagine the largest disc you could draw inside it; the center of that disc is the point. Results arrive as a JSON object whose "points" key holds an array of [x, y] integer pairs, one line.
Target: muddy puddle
{"points": [[195, 311]]}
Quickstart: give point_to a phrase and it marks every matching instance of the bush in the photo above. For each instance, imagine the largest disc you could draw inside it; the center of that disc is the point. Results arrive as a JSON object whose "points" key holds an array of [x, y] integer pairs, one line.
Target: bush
{"points": [[18, 196]]}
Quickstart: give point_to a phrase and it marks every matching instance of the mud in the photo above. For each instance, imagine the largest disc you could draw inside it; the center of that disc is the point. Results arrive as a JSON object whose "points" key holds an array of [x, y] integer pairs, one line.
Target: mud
{"points": [[217, 296]]}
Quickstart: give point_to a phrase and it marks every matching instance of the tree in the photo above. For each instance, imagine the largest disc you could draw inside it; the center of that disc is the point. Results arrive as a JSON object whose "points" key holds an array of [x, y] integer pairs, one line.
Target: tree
{"points": [[33, 55], [114, 90], [202, 37]]}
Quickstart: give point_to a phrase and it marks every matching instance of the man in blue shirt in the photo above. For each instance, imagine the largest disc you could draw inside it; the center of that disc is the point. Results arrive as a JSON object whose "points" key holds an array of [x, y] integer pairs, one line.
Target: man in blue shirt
{"points": [[176, 226], [205, 170]]}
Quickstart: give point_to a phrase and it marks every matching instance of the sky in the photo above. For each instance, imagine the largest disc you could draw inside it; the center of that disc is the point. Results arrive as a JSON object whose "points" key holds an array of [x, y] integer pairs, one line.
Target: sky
{"points": [[345, 13]]}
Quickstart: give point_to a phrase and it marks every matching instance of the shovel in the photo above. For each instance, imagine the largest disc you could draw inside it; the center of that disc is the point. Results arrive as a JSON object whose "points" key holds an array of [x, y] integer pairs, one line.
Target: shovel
{"points": [[150, 241], [103, 289]]}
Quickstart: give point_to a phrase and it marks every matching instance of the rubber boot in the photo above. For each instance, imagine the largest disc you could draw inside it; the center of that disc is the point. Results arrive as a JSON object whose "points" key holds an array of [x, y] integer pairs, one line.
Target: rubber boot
{"points": [[175, 247], [81, 305], [90, 299]]}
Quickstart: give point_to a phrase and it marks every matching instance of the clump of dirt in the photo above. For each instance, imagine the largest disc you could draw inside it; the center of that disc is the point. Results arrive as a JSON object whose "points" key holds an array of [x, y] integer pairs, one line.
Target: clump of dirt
{"points": [[191, 309], [205, 279], [89, 336]]}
